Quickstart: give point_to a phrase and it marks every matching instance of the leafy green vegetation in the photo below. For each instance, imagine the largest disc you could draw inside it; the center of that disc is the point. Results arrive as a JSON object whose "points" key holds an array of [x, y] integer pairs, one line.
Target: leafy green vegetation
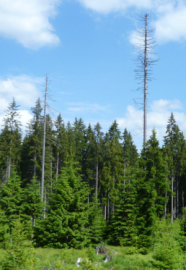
{"points": [[98, 191]]}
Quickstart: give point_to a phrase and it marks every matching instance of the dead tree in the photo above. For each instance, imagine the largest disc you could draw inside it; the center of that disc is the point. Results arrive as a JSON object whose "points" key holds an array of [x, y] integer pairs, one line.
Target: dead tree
{"points": [[145, 46], [44, 138]]}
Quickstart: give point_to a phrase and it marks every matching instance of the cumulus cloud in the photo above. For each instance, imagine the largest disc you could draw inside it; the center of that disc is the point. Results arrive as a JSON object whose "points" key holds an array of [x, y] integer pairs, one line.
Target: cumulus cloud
{"points": [[157, 117], [25, 91], [107, 6], [28, 22], [170, 22]]}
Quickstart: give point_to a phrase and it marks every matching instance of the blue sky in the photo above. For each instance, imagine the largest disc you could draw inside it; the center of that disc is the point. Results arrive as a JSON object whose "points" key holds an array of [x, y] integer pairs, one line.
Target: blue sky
{"points": [[87, 49]]}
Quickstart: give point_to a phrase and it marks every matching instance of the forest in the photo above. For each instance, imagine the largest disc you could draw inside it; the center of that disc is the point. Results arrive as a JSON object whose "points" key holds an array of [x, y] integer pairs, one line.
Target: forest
{"points": [[98, 190]]}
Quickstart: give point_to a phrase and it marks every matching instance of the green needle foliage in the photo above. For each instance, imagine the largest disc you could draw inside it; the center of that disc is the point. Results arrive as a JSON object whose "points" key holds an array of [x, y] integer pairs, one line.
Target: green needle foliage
{"points": [[67, 218], [11, 198], [151, 187], [123, 229], [167, 251], [18, 251], [32, 205]]}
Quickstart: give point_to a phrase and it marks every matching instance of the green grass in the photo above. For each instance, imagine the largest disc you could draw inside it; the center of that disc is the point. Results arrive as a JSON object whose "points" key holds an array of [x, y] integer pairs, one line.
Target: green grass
{"points": [[65, 259], [120, 260]]}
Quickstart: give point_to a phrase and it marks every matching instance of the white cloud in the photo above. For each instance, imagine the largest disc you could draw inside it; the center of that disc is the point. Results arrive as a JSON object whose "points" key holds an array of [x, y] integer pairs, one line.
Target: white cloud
{"points": [[157, 118], [28, 22], [86, 107], [23, 88], [171, 23], [25, 91], [107, 6]]}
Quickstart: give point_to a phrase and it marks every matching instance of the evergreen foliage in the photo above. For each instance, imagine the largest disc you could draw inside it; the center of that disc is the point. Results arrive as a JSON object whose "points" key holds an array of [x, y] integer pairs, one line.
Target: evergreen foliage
{"points": [[151, 186], [167, 251], [123, 229], [96, 185], [67, 217], [18, 252], [10, 141], [11, 199]]}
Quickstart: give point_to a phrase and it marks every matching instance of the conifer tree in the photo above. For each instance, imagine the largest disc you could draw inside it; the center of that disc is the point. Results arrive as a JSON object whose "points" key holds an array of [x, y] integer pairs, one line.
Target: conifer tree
{"points": [[10, 141], [99, 158], [173, 141], [61, 144], [79, 139], [112, 173], [123, 229], [96, 222], [32, 146], [151, 186], [70, 139], [11, 198], [49, 150], [32, 205], [89, 160], [67, 217]]}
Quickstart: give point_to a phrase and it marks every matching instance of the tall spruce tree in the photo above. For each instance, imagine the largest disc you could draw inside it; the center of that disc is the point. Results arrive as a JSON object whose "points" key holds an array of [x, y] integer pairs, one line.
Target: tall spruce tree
{"points": [[79, 138], [32, 205], [61, 145], [123, 229], [112, 173], [31, 154], [173, 142], [11, 198], [67, 218], [10, 141], [151, 186]]}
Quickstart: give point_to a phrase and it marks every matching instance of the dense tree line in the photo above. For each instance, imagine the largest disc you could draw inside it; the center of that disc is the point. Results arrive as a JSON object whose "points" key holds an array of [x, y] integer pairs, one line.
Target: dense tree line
{"points": [[97, 186]]}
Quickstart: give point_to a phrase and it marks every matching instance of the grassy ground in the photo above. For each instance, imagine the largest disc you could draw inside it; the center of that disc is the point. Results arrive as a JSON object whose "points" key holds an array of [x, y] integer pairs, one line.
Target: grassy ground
{"points": [[120, 259], [63, 259]]}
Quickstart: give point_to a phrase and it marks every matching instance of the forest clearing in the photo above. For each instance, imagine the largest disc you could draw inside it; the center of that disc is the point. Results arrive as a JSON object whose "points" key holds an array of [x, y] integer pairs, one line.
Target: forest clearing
{"points": [[74, 195]]}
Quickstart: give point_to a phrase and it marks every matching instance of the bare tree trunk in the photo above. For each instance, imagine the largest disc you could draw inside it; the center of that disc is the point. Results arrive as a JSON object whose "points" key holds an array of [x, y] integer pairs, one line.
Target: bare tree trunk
{"points": [[51, 182], [182, 198], [177, 196], [35, 164], [145, 46], [165, 209], [105, 212], [145, 86], [108, 207], [57, 166], [97, 180], [124, 173], [8, 167], [172, 198], [44, 134], [44, 204]]}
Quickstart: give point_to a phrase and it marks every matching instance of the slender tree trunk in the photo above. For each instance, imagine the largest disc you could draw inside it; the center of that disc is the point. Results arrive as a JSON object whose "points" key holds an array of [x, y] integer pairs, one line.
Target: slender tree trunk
{"points": [[177, 196], [44, 203], [182, 198], [8, 167], [97, 180], [44, 134], [51, 173], [145, 86], [172, 198], [35, 164], [124, 172], [57, 166], [165, 209], [105, 212]]}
